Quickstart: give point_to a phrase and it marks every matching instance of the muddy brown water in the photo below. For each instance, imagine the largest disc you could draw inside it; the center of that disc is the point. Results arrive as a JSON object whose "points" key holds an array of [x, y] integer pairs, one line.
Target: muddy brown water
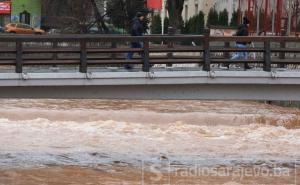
{"points": [[147, 142]]}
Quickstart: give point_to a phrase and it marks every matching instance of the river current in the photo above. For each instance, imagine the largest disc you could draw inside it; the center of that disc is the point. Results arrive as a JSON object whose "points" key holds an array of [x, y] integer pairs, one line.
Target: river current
{"points": [[147, 142]]}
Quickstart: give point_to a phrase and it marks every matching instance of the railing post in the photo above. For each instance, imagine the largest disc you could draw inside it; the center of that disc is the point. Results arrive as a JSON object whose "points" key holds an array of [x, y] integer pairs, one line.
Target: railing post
{"points": [[267, 56], [54, 46], [54, 55], [146, 56], [19, 60], [206, 54], [226, 54], [171, 32], [282, 54], [83, 56], [113, 46]]}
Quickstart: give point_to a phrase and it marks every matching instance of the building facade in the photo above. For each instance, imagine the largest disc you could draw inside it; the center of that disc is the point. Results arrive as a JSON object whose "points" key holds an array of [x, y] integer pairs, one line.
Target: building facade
{"points": [[229, 5], [23, 11], [5, 10], [193, 7], [26, 11]]}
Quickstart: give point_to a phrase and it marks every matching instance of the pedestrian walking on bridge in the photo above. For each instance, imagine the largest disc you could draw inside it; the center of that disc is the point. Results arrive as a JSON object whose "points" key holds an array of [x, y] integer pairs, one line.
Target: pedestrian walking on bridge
{"points": [[242, 31], [137, 30]]}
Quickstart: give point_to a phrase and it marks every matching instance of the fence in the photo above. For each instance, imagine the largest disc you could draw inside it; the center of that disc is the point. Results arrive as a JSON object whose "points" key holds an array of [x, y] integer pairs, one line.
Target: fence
{"points": [[89, 50]]}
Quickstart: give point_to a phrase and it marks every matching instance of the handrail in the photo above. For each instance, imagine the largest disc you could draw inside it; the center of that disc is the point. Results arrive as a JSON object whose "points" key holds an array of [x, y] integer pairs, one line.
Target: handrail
{"points": [[204, 47], [179, 37]]}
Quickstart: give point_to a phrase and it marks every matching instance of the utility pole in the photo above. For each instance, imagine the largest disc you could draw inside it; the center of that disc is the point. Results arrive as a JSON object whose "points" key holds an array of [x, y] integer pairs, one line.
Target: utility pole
{"points": [[163, 16], [273, 17], [258, 9], [251, 6], [239, 12], [290, 8], [266, 19], [278, 17], [296, 17]]}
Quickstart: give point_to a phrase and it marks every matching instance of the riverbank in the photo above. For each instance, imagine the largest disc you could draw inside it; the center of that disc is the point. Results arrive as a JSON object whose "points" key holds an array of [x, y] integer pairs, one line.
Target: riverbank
{"points": [[286, 103], [131, 176]]}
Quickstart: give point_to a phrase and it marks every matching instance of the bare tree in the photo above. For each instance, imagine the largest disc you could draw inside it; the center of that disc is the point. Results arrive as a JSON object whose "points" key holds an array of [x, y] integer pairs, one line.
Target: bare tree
{"points": [[99, 18], [121, 12], [74, 16]]}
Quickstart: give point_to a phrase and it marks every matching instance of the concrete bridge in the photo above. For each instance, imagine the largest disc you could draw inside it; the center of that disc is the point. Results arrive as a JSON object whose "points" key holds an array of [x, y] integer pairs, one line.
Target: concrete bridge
{"points": [[275, 74]]}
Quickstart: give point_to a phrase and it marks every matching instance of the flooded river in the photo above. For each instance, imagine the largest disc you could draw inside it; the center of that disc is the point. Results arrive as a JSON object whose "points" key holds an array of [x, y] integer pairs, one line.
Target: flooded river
{"points": [[91, 142]]}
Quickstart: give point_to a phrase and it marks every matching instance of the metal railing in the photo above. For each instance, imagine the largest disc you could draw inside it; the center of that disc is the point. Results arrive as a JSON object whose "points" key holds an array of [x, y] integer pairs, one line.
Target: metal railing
{"points": [[89, 50]]}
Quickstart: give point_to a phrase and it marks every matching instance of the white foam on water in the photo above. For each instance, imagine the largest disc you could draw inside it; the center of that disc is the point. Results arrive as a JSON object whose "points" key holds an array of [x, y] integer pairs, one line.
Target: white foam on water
{"points": [[78, 132], [132, 140]]}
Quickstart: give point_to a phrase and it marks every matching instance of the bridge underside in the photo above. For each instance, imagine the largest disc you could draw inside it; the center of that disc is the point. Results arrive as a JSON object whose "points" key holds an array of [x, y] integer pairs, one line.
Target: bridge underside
{"points": [[185, 85]]}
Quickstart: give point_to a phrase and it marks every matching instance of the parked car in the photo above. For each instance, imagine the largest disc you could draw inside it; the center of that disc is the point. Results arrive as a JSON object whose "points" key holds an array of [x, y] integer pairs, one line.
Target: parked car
{"points": [[20, 28], [111, 30]]}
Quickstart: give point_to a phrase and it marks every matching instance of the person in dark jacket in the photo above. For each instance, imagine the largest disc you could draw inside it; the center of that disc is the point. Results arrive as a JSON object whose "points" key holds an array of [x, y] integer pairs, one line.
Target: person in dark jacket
{"points": [[137, 30], [138, 25], [242, 31]]}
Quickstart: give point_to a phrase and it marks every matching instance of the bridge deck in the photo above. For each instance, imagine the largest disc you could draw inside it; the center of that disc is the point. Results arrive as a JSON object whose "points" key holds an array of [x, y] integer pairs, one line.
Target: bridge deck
{"points": [[216, 85], [91, 66]]}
